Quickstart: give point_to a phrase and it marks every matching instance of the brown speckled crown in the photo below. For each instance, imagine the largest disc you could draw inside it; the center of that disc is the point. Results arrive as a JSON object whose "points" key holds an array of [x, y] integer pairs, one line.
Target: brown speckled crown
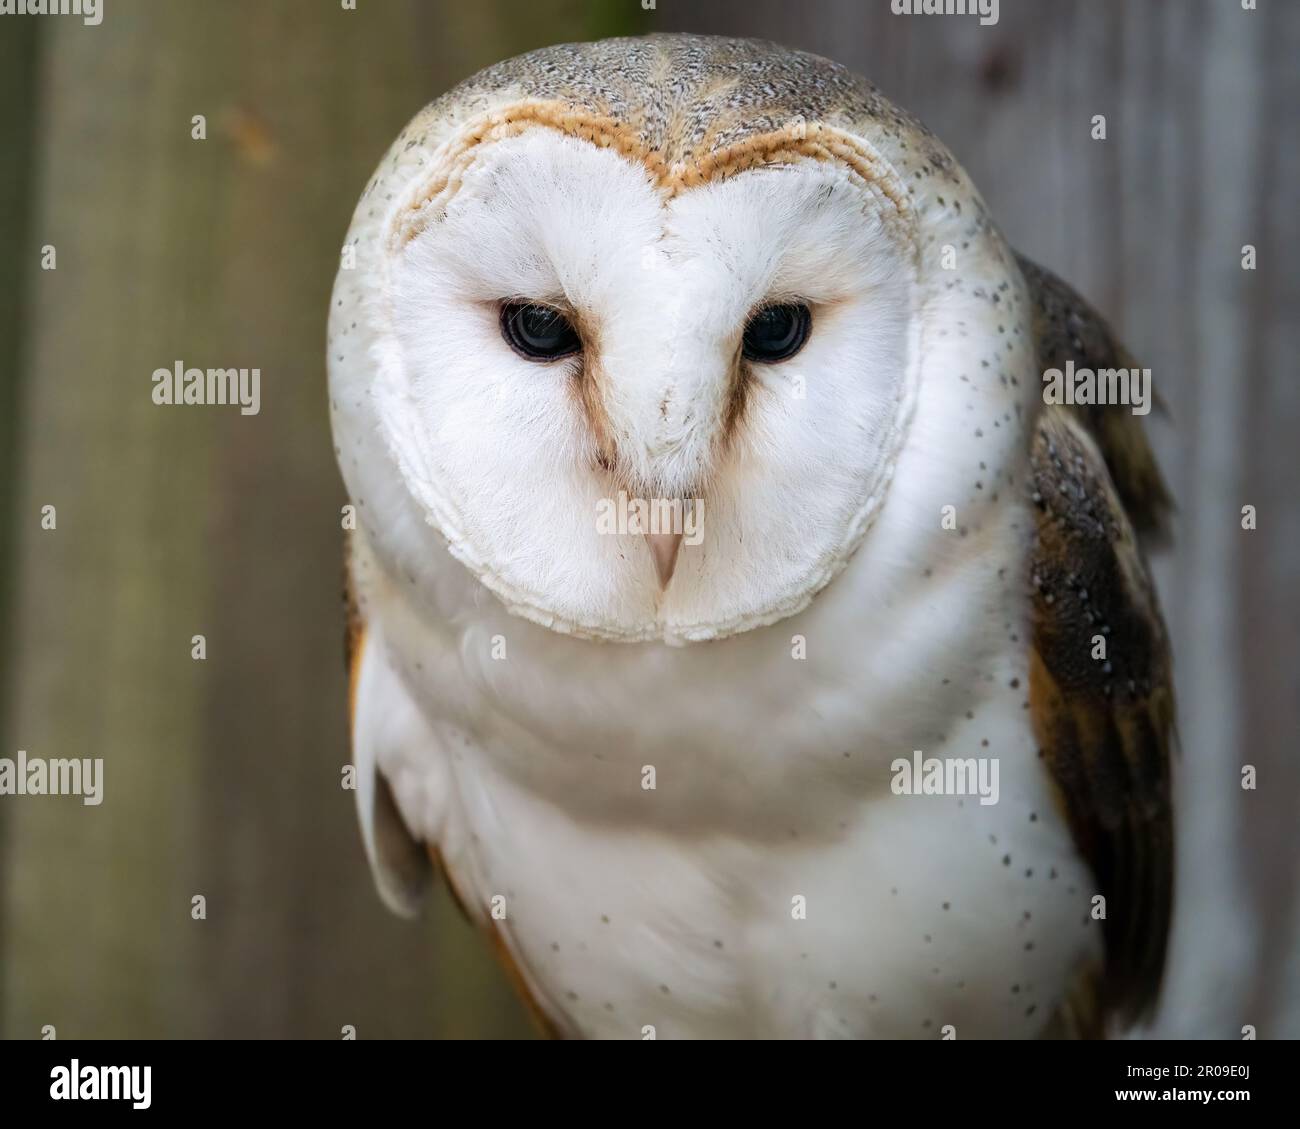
{"points": [[691, 108], [687, 96]]}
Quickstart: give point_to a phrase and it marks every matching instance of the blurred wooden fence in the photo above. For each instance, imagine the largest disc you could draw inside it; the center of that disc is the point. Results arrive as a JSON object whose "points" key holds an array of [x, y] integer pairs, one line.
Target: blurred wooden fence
{"points": [[223, 775]]}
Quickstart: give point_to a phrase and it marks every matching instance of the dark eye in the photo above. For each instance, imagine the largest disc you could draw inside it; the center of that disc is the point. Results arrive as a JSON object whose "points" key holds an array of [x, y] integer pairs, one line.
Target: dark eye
{"points": [[538, 333], [777, 332]]}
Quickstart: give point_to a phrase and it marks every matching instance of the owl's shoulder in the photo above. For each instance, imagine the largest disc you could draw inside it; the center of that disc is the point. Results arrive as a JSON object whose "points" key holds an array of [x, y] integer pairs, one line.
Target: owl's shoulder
{"points": [[1067, 328]]}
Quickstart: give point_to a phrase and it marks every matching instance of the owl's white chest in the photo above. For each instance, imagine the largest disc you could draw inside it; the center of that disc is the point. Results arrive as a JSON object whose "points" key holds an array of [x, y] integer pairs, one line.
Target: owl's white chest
{"points": [[704, 841], [904, 917]]}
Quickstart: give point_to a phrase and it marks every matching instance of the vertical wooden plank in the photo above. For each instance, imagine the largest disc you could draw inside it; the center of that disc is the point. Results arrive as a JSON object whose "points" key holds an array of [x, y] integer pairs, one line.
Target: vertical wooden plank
{"points": [[1269, 643], [98, 932], [18, 68], [1213, 956]]}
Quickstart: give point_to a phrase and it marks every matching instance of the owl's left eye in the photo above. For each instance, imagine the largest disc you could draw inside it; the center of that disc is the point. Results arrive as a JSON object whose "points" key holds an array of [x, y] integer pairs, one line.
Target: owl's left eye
{"points": [[538, 333], [777, 333]]}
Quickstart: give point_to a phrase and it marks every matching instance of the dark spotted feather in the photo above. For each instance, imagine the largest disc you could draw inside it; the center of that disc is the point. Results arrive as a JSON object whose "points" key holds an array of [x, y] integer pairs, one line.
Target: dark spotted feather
{"points": [[1105, 727]]}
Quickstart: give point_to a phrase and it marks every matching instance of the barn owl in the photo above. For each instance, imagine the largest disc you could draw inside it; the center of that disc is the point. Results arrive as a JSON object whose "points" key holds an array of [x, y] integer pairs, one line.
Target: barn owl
{"points": [[668, 765]]}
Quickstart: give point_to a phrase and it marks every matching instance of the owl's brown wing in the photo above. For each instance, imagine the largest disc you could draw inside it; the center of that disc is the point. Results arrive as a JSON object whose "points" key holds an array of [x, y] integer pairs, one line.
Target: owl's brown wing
{"points": [[1067, 328], [1105, 725]]}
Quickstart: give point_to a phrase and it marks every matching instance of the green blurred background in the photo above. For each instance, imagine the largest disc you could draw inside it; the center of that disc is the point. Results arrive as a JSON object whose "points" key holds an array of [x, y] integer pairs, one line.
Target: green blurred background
{"points": [[222, 776]]}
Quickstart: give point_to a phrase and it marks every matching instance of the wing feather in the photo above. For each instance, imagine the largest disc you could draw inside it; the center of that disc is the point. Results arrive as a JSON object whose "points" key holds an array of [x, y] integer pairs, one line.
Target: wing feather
{"points": [[1067, 328], [400, 864], [1105, 726]]}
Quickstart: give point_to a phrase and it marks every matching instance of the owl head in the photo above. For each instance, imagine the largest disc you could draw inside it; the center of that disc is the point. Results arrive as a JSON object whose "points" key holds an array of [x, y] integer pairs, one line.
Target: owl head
{"points": [[639, 332]]}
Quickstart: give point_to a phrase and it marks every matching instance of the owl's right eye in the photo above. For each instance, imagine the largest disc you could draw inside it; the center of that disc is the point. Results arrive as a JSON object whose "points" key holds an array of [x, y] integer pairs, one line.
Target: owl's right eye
{"points": [[538, 333]]}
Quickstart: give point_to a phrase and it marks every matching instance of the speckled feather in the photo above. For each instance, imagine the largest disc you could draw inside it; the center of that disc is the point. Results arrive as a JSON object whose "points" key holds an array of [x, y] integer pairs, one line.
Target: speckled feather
{"points": [[687, 96], [1106, 728]]}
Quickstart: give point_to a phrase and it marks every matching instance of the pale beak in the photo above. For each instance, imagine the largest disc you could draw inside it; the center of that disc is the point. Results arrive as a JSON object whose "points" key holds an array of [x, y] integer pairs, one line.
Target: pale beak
{"points": [[663, 547]]}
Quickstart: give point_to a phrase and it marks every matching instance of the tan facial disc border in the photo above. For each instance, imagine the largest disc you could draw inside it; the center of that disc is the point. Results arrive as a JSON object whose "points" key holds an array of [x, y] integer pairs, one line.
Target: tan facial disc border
{"points": [[428, 198]]}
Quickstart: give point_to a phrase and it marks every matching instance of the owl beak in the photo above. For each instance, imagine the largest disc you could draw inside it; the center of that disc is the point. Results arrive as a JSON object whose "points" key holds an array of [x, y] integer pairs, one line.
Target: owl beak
{"points": [[663, 547]]}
